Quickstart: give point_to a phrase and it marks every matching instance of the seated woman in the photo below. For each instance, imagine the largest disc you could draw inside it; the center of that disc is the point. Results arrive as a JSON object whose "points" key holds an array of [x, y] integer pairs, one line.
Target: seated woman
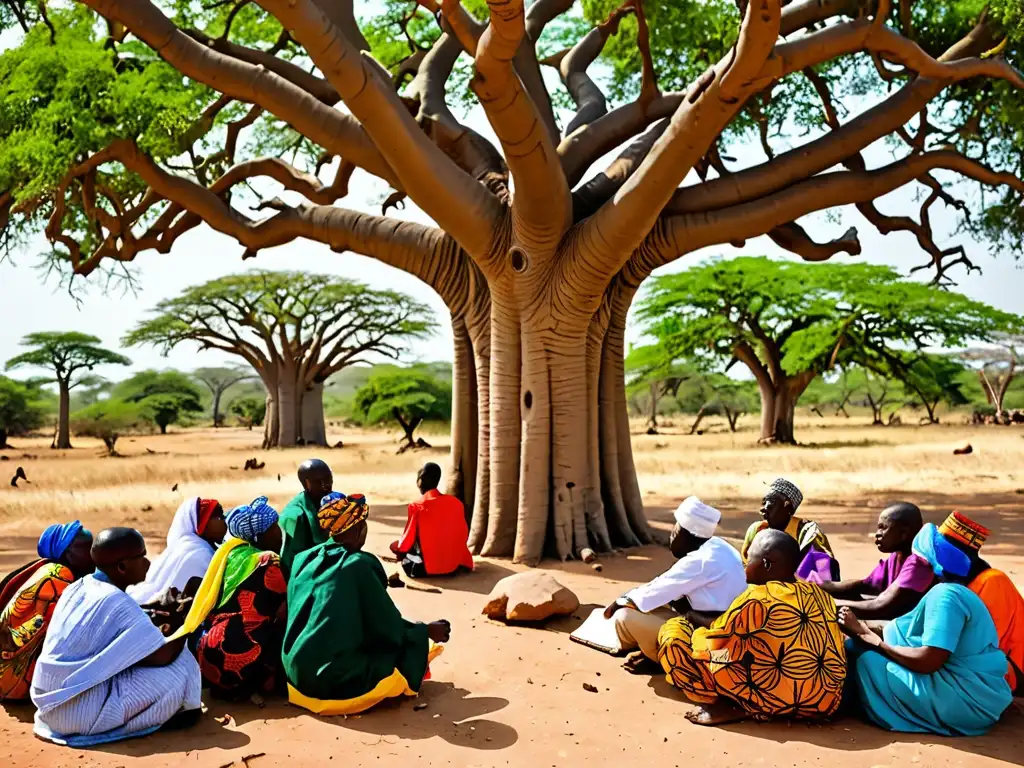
{"points": [[347, 647], [196, 529], [937, 669], [778, 512], [776, 652], [105, 672], [241, 605], [28, 597]]}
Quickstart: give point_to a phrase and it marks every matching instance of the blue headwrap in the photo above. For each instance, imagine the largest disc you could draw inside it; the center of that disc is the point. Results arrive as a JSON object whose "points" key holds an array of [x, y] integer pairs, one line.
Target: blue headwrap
{"points": [[941, 554], [250, 521], [56, 539]]}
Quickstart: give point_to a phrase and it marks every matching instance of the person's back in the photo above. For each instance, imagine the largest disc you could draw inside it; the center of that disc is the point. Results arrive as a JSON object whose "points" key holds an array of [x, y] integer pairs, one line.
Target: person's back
{"points": [[999, 594], [434, 542], [298, 518]]}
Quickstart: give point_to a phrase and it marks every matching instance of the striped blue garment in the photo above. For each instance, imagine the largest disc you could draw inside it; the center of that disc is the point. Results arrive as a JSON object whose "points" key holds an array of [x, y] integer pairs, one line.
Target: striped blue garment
{"points": [[87, 687]]}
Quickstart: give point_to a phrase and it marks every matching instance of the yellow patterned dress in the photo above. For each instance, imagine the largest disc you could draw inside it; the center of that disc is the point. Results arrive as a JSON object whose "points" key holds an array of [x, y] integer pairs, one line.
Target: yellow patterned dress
{"points": [[777, 652]]}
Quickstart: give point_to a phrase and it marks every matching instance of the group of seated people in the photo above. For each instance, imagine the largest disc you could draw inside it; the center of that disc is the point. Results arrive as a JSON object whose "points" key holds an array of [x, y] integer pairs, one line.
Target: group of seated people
{"points": [[931, 641], [109, 646]]}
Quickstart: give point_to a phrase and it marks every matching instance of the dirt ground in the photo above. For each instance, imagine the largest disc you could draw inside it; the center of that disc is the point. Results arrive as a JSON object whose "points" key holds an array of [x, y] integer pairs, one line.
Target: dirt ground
{"points": [[514, 695]]}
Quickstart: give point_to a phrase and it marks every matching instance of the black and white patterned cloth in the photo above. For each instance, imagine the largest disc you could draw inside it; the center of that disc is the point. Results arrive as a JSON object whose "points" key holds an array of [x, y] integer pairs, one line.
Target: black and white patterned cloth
{"points": [[788, 490]]}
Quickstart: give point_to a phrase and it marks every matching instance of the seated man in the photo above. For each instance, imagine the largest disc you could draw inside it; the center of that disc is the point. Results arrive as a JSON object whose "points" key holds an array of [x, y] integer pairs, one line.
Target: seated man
{"points": [[708, 577], [434, 541], [28, 597], [899, 582], [298, 518], [346, 647], [105, 672], [996, 591], [776, 652], [778, 512]]}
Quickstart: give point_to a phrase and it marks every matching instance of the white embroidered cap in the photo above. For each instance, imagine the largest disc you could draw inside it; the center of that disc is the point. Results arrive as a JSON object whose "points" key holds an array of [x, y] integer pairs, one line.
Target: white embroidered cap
{"points": [[698, 518]]}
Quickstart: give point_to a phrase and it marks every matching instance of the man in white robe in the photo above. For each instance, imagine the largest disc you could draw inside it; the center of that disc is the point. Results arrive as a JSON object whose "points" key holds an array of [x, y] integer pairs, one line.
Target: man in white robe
{"points": [[105, 672], [708, 576]]}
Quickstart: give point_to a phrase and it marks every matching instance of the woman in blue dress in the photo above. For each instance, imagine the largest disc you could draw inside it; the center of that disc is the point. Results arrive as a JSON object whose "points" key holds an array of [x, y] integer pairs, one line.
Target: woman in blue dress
{"points": [[937, 669]]}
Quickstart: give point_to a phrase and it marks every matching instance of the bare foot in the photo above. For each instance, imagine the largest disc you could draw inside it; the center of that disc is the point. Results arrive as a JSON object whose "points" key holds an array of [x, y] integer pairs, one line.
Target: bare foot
{"points": [[638, 664], [719, 713]]}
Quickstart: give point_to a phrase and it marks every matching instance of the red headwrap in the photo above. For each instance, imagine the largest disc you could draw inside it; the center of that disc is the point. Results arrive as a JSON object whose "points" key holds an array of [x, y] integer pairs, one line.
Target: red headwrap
{"points": [[206, 508]]}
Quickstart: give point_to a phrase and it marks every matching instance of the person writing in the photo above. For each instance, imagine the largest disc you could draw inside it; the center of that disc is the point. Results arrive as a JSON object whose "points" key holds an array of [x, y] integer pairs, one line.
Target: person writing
{"points": [[707, 576], [105, 672], [298, 518], [346, 646], [435, 536], [898, 583]]}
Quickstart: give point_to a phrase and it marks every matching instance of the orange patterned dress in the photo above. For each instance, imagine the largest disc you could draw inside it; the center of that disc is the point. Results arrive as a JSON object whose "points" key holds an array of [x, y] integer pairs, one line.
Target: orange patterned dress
{"points": [[27, 599]]}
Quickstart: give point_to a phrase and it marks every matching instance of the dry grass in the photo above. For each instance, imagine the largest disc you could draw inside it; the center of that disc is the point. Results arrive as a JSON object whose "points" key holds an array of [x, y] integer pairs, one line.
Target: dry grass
{"points": [[841, 459]]}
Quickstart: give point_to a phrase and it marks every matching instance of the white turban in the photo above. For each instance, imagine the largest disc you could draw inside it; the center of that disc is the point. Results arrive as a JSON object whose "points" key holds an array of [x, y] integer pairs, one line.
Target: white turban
{"points": [[698, 518]]}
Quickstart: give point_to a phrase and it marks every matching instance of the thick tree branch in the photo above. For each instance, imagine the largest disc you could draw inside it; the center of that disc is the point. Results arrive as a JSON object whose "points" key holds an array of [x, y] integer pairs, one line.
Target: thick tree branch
{"points": [[795, 239]]}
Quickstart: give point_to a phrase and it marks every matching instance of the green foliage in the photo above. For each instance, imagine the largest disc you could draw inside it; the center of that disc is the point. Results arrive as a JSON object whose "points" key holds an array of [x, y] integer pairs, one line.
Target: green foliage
{"points": [[932, 379], [108, 420], [167, 396], [250, 410], [65, 353], [22, 408], [407, 396]]}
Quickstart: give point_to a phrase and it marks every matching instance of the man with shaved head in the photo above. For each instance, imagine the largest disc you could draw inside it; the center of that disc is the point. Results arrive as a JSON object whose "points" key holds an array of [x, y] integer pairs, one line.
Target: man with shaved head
{"points": [[899, 582], [776, 652], [105, 672], [298, 519]]}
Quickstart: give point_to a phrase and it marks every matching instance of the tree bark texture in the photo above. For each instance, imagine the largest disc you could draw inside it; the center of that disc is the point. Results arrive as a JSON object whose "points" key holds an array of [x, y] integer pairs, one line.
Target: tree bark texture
{"points": [[64, 415]]}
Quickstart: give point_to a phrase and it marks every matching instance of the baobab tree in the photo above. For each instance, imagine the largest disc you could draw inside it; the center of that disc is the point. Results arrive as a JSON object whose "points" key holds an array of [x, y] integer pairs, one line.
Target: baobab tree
{"points": [[537, 257], [296, 330]]}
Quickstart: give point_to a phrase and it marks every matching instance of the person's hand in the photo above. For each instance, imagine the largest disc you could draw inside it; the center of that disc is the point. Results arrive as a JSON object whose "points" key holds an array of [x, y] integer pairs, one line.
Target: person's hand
{"points": [[611, 609], [439, 631], [851, 624]]}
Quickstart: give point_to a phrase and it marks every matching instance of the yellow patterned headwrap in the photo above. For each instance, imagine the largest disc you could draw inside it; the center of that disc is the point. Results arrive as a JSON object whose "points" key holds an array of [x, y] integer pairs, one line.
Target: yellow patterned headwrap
{"points": [[339, 512], [959, 527]]}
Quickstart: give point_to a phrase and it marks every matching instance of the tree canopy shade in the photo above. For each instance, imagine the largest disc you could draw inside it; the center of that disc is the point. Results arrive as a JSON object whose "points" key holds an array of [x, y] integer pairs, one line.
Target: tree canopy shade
{"points": [[68, 355], [789, 322], [166, 396], [219, 381], [407, 396], [538, 250], [295, 330], [21, 408]]}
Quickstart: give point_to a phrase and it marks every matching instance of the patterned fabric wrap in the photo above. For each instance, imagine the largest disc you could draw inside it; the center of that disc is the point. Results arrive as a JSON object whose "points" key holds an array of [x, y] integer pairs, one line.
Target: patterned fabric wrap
{"points": [[788, 490], [250, 521], [960, 527], [339, 512], [777, 652], [56, 539]]}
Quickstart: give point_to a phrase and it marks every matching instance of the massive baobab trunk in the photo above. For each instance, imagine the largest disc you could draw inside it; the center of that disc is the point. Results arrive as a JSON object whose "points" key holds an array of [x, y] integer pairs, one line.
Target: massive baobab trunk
{"points": [[537, 266]]}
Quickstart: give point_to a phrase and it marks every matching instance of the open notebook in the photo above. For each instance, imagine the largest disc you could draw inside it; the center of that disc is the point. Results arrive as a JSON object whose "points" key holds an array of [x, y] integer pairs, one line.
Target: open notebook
{"points": [[598, 632]]}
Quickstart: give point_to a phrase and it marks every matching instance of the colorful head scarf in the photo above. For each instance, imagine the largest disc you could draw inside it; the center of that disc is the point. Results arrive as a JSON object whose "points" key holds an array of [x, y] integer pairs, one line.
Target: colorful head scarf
{"points": [[339, 512], [959, 527], [788, 490], [940, 552], [250, 521], [56, 539], [204, 512]]}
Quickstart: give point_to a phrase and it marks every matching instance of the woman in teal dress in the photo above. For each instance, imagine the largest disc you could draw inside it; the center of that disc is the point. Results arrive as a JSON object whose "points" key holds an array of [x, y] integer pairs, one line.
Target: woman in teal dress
{"points": [[937, 669]]}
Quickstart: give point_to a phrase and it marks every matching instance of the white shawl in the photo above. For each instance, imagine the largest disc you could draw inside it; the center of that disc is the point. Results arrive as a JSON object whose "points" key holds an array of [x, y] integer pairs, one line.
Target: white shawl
{"points": [[187, 555]]}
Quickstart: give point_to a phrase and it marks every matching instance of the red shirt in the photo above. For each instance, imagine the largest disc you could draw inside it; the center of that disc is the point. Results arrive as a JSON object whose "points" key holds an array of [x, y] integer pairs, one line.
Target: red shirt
{"points": [[438, 523]]}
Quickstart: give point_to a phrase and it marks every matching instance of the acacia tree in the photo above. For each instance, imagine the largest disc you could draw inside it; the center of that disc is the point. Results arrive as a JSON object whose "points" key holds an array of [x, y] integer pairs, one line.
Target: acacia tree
{"points": [[537, 266], [166, 396], [69, 355], [789, 322], [407, 396], [997, 368], [295, 330], [219, 381]]}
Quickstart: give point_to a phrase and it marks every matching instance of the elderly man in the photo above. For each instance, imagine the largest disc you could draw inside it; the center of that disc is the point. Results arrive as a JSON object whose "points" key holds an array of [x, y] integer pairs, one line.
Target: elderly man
{"points": [[898, 583], [298, 518], [778, 512], [707, 578]]}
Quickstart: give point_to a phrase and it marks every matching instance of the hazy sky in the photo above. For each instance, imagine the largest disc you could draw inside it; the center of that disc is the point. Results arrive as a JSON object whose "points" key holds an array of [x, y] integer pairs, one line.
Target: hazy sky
{"points": [[31, 303]]}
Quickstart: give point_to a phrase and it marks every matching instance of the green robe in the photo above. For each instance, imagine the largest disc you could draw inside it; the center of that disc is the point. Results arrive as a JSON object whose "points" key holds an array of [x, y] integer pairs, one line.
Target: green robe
{"points": [[344, 633], [300, 528]]}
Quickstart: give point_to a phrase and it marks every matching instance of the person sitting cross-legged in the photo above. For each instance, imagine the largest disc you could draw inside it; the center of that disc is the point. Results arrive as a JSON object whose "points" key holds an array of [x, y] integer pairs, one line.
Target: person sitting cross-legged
{"points": [[435, 536], [106, 672], [777, 652], [898, 583], [298, 518], [707, 577]]}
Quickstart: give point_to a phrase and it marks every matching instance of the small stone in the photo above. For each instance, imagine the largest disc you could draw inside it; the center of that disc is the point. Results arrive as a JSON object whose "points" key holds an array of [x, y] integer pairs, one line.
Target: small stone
{"points": [[589, 688], [421, 706]]}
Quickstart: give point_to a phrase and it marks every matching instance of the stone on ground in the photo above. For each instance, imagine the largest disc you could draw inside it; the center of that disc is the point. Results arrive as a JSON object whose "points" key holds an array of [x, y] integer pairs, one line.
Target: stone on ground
{"points": [[529, 596]]}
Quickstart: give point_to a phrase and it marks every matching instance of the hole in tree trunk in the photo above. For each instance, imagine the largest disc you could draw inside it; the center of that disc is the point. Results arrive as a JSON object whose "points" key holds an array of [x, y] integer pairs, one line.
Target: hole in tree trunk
{"points": [[528, 399], [519, 260]]}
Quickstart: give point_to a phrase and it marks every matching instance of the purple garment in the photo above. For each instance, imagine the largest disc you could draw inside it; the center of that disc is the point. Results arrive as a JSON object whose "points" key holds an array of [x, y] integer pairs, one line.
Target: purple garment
{"points": [[905, 571], [816, 567]]}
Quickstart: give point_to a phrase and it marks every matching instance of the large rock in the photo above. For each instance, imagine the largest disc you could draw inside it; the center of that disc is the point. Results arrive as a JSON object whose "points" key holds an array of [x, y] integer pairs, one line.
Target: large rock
{"points": [[529, 596]]}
